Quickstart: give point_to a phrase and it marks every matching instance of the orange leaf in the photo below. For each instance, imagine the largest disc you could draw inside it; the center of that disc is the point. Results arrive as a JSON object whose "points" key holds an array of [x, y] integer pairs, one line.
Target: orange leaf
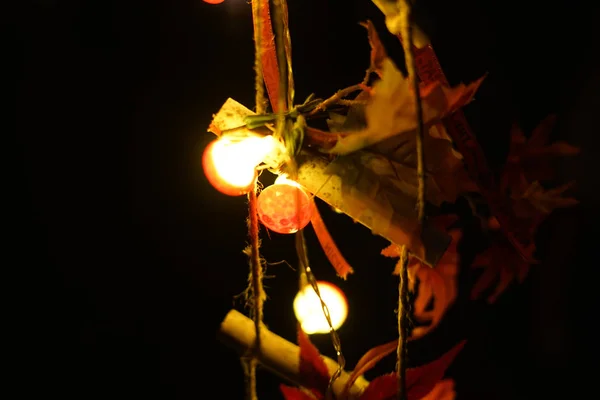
{"points": [[436, 284], [420, 381], [313, 370]]}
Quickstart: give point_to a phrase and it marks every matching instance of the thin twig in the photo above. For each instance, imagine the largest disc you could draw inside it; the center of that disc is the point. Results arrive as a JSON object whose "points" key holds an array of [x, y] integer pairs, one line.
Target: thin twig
{"points": [[339, 95]]}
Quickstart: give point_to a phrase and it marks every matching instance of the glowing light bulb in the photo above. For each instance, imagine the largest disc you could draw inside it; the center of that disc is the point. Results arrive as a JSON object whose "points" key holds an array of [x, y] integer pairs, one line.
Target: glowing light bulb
{"points": [[230, 163], [213, 1], [284, 207], [309, 313]]}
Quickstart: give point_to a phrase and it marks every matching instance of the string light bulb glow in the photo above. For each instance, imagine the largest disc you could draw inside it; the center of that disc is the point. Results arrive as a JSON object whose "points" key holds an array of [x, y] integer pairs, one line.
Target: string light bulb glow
{"points": [[284, 207], [230, 162], [309, 312]]}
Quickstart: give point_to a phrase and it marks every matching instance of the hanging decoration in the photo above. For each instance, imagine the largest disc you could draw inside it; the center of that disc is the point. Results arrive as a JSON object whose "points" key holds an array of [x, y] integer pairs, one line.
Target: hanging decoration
{"points": [[307, 307], [284, 207], [394, 145]]}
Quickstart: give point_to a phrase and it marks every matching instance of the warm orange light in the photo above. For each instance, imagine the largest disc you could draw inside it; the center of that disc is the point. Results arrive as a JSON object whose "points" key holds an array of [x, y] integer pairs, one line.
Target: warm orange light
{"points": [[213, 1], [309, 312], [284, 207], [230, 162]]}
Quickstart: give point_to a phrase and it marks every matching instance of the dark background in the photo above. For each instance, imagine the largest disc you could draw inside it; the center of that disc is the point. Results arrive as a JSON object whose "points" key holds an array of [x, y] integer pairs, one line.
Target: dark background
{"points": [[127, 259]]}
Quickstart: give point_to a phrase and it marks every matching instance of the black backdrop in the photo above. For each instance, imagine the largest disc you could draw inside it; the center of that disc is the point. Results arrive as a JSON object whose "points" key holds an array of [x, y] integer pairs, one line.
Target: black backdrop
{"points": [[127, 259]]}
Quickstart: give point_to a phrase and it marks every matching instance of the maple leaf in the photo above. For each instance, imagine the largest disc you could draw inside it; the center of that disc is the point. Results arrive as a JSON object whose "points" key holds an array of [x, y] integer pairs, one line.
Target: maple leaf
{"points": [[420, 381], [536, 200], [391, 109], [437, 285], [501, 263], [531, 159]]}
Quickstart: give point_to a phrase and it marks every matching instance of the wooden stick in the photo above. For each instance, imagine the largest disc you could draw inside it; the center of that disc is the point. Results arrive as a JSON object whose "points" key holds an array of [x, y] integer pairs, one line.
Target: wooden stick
{"points": [[277, 354]]}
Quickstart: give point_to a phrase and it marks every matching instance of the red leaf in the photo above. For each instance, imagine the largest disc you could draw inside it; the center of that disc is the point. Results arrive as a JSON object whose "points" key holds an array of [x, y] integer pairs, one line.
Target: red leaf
{"points": [[369, 360], [292, 393], [313, 370], [420, 381], [383, 387]]}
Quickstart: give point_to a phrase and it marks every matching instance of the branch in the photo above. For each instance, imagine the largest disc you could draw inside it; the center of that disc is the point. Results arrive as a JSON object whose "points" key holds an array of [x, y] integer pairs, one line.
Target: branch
{"points": [[277, 354]]}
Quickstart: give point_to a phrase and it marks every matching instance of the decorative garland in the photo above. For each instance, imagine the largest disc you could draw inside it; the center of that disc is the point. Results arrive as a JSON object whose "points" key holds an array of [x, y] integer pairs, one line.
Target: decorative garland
{"points": [[399, 143]]}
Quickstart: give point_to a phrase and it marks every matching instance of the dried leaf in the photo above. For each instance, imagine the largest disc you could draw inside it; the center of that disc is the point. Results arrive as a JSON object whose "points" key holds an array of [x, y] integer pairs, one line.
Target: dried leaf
{"points": [[438, 284], [313, 371], [391, 109], [420, 381], [501, 263], [378, 53]]}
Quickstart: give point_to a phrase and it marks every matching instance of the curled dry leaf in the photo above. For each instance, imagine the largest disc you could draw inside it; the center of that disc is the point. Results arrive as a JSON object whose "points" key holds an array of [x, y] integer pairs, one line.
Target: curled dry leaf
{"points": [[437, 285], [391, 109], [501, 264], [420, 381]]}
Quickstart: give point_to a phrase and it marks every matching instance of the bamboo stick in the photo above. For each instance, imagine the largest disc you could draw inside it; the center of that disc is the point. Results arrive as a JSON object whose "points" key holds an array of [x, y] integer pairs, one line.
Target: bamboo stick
{"points": [[277, 354]]}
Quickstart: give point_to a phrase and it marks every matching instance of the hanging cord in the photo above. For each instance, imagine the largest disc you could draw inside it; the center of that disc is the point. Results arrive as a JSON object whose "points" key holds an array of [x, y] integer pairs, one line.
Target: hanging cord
{"points": [[259, 84], [293, 141], [403, 304], [307, 275], [405, 11], [256, 291]]}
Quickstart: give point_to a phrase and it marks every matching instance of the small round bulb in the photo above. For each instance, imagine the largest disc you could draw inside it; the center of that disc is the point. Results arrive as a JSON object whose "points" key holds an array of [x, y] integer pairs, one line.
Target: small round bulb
{"points": [[309, 312]]}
